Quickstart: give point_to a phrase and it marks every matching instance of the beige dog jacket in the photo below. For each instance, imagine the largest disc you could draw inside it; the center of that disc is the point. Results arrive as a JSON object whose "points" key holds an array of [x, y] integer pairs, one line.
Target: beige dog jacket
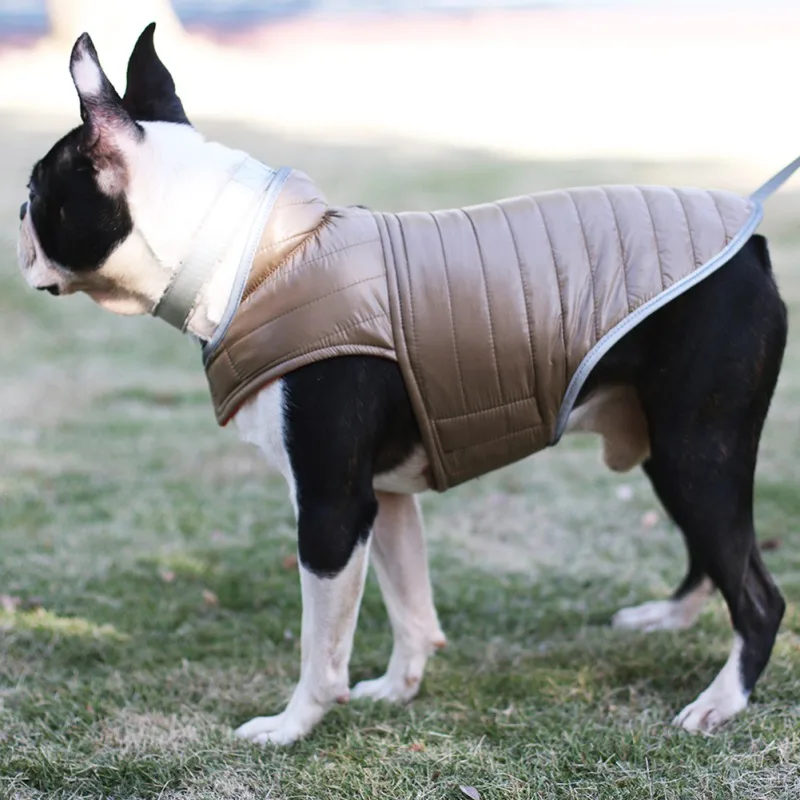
{"points": [[495, 313]]}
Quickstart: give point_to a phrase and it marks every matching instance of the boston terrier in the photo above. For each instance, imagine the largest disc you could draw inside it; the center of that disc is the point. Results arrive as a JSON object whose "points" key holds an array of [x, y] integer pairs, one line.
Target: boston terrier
{"points": [[116, 205]]}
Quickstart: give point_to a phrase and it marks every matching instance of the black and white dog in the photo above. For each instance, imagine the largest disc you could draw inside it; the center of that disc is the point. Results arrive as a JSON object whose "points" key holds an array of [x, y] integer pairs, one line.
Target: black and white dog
{"points": [[111, 211]]}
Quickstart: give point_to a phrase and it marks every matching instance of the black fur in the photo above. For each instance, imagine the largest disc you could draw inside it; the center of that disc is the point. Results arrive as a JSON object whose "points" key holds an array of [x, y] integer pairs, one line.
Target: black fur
{"points": [[347, 419], [78, 225], [704, 367], [150, 94]]}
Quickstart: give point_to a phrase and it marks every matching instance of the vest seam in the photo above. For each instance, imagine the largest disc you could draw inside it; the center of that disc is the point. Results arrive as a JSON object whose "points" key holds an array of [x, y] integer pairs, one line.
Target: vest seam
{"points": [[450, 311], [325, 255], [274, 244], [323, 222], [437, 461], [621, 248], [518, 402], [719, 214], [655, 240], [413, 320], [411, 376], [488, 303], [311, 202], [235, 369], [688, 228], [595, 316], [526, 298], [494, 439], [308, 349], [563, 318], [307, 303]]}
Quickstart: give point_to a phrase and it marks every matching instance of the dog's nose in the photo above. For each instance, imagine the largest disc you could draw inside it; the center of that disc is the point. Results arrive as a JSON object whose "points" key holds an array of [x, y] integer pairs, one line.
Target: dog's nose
{"points": [[53, 289], [23, 210]]}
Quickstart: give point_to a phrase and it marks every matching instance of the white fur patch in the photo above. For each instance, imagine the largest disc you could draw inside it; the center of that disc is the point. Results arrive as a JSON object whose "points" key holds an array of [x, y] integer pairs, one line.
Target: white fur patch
{"points": [[408, 478], [87, 75], [665, 615], [261, 422], [723, 698]]}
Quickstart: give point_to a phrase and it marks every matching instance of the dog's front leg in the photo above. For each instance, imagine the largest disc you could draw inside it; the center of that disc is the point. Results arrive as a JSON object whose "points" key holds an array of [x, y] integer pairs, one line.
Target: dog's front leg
{"points": [[333, 565]]}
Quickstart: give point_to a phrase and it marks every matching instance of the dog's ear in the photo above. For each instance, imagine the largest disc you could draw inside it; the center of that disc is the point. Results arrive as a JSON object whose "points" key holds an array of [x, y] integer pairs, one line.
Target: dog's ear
{"points": [[150, 94], [107, 126]]}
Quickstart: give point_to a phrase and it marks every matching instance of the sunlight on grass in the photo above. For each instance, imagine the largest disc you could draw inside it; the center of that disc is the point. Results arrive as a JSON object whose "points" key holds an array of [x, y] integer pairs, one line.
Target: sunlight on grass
{"points": [[42, 621]]}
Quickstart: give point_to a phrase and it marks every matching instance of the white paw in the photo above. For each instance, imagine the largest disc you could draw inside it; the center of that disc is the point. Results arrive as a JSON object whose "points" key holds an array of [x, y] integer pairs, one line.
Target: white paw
{"points": [[711, 709], [658, 615], [294, 723], [389, 688], [275, 730]]}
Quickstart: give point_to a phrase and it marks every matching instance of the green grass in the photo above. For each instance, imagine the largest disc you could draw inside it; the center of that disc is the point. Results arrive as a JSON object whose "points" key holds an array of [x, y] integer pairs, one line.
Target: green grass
{"points": [[155, 609]]}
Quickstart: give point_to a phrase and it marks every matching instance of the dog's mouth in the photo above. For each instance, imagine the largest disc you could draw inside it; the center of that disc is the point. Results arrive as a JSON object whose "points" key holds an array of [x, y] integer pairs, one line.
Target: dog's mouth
{"points": [[39, 274]]}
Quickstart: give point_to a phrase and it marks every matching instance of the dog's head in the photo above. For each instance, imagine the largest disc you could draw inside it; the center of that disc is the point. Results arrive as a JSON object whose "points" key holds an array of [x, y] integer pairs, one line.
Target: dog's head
{"points": [[113, 205]]}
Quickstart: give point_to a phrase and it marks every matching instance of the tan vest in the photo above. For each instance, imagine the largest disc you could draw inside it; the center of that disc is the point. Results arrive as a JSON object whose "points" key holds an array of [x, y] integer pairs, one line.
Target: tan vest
{"points": [[495, 313]]}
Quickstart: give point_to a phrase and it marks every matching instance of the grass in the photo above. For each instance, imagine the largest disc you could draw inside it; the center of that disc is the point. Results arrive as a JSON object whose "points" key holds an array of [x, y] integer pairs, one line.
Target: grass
{"points": [[152, 603]]}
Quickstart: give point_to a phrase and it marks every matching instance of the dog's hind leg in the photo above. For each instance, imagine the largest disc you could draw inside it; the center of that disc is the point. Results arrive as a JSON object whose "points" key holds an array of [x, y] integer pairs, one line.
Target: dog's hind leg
{"points": [[714, 509], [401, 564], [706, 397]]}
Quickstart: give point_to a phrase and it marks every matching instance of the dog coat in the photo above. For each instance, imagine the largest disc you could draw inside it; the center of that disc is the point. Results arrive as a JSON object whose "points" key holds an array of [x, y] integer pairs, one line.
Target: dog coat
{"points": [[495, 313]]}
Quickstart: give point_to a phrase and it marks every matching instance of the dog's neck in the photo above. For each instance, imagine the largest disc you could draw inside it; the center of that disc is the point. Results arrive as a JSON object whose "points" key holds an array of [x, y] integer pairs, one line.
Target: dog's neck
{"points": [[206, 251]]}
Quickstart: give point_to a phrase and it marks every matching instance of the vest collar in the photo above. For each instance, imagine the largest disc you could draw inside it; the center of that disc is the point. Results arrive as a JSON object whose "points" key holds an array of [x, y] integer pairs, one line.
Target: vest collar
{"points": [[240, 212]]}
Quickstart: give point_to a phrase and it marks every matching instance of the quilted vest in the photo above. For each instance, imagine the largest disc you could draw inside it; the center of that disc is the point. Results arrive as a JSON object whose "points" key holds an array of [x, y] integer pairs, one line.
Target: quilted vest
{"points": [[495, 313]]}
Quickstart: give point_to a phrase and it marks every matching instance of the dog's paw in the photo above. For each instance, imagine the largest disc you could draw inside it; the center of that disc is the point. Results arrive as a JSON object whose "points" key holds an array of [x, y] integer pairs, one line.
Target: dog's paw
{"points": [[711, 709], [286, 728], [658, 615], [279, 730], [387, 688]]}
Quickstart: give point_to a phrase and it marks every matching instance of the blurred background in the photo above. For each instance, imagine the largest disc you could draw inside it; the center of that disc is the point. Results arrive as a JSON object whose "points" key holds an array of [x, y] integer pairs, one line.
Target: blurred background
{"points": [[554, 78]]}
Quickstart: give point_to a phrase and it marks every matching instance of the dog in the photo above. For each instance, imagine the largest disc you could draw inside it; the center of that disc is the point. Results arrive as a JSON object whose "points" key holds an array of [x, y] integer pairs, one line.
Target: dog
{"points": [[116, 204]]}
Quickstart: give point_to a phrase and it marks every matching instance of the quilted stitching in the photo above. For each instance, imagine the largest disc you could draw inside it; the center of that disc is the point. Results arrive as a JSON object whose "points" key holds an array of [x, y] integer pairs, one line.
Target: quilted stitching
{"points": [[526, 294], [496, 370], [450, 316]]}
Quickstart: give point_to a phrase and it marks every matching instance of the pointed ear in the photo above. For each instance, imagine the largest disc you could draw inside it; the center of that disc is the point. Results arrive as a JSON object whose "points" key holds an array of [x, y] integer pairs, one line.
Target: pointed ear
{"points": [[150, 95], [107, 126]]}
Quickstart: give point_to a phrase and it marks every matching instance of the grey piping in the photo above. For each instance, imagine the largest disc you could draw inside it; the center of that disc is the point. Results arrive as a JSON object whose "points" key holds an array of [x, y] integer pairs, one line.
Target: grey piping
{"points": [[249, 181], [590, 360], [246, 261]]}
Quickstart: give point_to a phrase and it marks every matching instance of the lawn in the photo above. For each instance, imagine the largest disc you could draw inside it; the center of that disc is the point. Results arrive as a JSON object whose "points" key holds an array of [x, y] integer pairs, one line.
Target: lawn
{"points": [[150, 599]]}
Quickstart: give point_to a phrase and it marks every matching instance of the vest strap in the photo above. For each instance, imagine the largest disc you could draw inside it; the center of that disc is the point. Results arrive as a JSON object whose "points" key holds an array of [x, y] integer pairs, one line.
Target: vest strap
{"points": [[775, 182]]}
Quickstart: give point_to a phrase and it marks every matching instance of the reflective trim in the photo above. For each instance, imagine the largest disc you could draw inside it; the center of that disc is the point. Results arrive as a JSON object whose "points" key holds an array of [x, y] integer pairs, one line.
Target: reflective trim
{"points": [[625, 326], [645, 310], [246, 262], [222, 224]]}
